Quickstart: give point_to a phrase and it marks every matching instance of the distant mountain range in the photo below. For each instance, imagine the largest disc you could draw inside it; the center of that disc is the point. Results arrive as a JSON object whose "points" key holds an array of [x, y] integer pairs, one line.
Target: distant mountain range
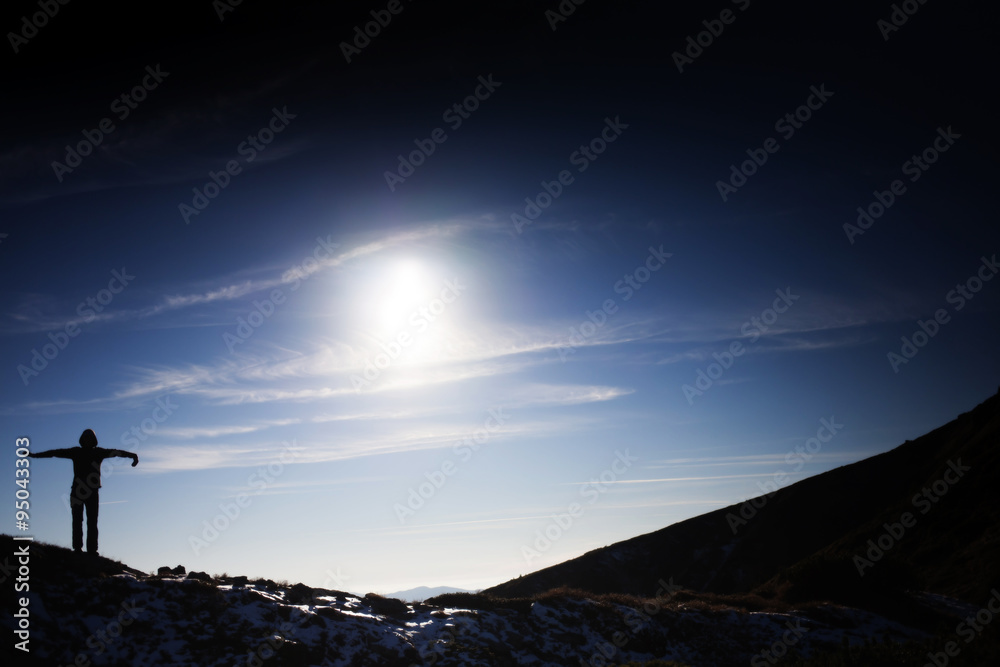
{"points": [[421, 593], [925, 516]]}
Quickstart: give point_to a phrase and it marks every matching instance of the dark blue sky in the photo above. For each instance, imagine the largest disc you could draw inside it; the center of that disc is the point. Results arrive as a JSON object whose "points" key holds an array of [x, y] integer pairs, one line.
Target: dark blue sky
{"points": [[263, 316]]}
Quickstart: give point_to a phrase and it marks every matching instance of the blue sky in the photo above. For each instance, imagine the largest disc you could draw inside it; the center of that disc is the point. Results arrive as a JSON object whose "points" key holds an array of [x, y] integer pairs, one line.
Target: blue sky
{"points": [[373, 387]]}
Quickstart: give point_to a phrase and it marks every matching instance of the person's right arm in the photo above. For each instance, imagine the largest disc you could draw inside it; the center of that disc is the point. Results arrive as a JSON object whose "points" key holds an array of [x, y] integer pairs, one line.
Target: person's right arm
{"points": [[52, 453]]}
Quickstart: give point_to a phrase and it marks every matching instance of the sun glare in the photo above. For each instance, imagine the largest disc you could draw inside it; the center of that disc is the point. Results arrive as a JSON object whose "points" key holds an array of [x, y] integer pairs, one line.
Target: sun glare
{"points": [[403, 291], [405, 315]]}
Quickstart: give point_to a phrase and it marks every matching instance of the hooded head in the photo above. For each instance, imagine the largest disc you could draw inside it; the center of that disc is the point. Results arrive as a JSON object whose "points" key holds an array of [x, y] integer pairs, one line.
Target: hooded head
{"points": [[88, 439]]}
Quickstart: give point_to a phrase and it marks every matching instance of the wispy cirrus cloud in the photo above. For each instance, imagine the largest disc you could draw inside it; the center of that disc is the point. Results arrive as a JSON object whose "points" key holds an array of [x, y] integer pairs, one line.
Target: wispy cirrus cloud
{"points": [[190, 432], [394, 439], [177, 144], [35, 312], [547, 395], [328, 368]]}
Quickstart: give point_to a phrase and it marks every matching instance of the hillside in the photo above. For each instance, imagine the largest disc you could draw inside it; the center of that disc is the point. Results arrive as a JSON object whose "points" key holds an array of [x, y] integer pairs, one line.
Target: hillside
{"points": [[800, 542], [87, 611]]}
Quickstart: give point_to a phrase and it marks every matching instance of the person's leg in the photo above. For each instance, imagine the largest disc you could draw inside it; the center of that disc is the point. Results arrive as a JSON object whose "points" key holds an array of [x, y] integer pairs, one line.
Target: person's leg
{"points": [[92, 505], [76, 506]]}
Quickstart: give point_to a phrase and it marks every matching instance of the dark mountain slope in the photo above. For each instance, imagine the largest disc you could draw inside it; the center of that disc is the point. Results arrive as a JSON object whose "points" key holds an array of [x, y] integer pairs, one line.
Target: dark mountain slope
{"points": [[953, 548]]}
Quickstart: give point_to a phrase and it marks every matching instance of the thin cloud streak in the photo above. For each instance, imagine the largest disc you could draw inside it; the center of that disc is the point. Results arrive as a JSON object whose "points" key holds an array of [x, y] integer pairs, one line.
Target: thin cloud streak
{"points": [[176, 458], [230, 291], [667, 479], [758, 459], [220, 431]]}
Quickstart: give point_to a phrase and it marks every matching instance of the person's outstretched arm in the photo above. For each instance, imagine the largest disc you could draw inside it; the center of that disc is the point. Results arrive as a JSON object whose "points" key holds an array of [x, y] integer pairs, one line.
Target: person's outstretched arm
{"points": [[53, 453], [125, 455]]}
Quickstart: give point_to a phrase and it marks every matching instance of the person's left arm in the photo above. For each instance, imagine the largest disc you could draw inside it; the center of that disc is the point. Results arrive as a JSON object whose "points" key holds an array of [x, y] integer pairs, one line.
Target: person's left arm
{"points": [[125, 455]]}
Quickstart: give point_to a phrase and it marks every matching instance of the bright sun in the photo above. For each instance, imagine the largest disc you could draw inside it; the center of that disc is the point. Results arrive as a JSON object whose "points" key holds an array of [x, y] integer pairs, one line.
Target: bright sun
{"points": [[403, 290], [404, 311]]}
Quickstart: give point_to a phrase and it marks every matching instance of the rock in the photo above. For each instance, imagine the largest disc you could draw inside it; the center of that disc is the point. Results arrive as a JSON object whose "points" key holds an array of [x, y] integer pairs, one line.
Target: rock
{"points": [[239, 582], [386, 606], [179, 570], [200, 576], [300, 594]]}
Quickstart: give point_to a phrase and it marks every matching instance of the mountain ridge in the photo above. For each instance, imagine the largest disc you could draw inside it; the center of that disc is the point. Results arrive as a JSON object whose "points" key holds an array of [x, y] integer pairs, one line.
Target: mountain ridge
{"points": [[833, 515]]}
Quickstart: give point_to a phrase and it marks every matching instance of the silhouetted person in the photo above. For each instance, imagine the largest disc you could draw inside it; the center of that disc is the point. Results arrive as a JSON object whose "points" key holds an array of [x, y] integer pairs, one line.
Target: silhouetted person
{"points": [[87, 460]]}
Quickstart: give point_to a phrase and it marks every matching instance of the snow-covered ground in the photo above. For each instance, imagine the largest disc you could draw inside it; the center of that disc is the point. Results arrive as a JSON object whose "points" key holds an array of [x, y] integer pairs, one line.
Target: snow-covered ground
{"points": [[152, 620]]}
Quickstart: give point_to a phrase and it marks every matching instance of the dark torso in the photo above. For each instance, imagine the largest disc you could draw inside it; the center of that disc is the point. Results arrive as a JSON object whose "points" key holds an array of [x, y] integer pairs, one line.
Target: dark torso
{"points": [[87, 467]]}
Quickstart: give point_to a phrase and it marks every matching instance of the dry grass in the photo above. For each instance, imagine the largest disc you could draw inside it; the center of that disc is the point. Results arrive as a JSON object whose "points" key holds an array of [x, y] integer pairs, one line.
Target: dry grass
{"points": [[714, 602]]}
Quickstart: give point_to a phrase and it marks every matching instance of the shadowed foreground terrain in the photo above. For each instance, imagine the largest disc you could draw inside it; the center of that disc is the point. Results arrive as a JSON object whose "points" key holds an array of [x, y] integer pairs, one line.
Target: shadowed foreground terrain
{"points": [[101, 612]]}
